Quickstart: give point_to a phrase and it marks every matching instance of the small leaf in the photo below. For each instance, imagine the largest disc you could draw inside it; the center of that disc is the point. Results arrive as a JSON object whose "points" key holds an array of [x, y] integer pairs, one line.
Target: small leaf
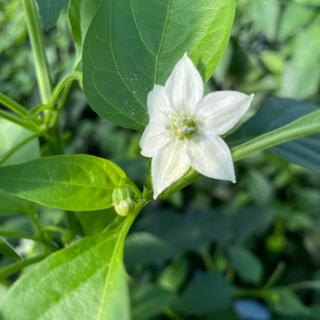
{"points": [[149, 301], [81, 13], [49, 11], [37, 109], [205, 293], [131, 45], [69, 182], [84, 281], [246, 264], [8, 251]]}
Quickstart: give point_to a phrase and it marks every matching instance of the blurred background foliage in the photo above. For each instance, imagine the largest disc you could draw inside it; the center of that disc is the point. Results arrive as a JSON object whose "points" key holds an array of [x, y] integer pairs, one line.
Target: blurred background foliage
{"points": [[213, 250]]}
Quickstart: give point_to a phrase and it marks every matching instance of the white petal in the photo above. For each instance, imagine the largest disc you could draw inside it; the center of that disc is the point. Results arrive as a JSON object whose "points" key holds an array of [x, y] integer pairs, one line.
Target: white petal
{"points": [[185, 86], [211, 156], [169, 164], [159, 105], [221, 110], [153, 137]]}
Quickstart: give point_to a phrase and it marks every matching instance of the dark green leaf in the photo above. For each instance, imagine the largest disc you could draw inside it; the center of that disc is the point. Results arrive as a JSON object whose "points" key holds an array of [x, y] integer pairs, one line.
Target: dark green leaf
{"points": [[248, 267], [205, 293], [8, 251], [223, 314], [131, 45], [10, 204], [85, 281], [49, 11], [149, 301], [69, 182], [144, 248], [81, 13], [275, 113], [289, 304]]}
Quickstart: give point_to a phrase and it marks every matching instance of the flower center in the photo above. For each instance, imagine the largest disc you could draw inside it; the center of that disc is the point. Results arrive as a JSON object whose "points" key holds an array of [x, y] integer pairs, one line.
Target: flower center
{"points": [[183, 127]]}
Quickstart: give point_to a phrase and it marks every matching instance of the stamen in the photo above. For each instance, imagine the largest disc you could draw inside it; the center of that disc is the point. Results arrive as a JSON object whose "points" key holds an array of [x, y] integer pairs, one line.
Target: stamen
{"points": [[183, 127]]}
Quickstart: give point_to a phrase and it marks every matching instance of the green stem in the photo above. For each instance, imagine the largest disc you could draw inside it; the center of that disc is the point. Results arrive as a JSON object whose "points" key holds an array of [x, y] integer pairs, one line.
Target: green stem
{"points": [[55, 140], [14, 106], [21, 122], [66, 81], [261, 294], [38, 48], [17, 266], [20, 145], [171, 315], [304, 285], [18, 235], [117, 220], [72, 222], [276, 275], [294, 130]]}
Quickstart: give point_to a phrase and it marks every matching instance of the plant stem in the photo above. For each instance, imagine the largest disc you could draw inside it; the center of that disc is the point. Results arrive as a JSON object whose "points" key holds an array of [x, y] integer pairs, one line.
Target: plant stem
{"points": [[260, 293], [171, 315], [19, 121], [315, 284], [18, 235], [276, 275], [72, 222], [17, 266], [114, 223], [38, 48], [12, 105], [20, 145]]}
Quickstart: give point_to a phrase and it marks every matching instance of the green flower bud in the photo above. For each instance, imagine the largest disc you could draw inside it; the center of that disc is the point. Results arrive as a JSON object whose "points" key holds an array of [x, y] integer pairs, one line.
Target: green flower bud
{"points": [[123, 201]]}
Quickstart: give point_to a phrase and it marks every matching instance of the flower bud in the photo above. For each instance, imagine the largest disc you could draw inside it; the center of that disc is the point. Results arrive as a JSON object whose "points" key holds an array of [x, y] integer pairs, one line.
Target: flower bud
{"points": [[123, 201]]}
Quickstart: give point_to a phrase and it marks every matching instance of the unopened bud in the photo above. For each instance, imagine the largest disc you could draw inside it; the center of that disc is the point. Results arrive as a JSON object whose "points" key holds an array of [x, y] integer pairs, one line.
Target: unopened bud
{"points": [[123, 201]]}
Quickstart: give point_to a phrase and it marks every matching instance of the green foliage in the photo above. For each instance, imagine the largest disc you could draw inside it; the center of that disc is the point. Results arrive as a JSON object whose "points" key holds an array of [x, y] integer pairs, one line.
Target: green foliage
{"points": [[70, 182], [83, 281], [8, 251], [117, 81], [49, 11], [246, 264]]}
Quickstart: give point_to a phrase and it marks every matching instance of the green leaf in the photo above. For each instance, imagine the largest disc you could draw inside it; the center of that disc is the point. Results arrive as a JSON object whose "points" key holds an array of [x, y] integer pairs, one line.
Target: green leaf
{"points": [[288, 303], [11, 135], [131, 45], [81, 13], [49, 11], [145, 248], [84, 281], [275, 113], [308, 2], [149, 301], [69, 182], [264, 15], [10, 204], [205, 293], [37, 109], [300, 76], [8, 251], [248, 267], [294, 16]]}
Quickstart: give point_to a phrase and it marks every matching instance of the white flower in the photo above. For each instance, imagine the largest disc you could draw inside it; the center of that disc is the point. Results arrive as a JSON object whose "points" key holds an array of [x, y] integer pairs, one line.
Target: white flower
{"points": [[184, 128]]}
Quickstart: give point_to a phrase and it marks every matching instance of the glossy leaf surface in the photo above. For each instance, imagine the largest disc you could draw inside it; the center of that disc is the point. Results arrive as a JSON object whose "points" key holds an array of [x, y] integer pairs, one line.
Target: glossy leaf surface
{"points": [[69, 182], [131, 45]]}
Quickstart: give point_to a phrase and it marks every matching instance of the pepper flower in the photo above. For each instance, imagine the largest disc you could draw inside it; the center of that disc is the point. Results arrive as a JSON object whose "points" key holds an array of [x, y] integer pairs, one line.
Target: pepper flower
{"points": [[184, 128]]}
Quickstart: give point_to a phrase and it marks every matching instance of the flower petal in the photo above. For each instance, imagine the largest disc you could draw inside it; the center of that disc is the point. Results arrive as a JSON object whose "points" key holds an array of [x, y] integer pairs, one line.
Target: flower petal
{"points": [[169, 164], [221, 110], [185, 86], [211, 156], [159, 106], [153, 137]]}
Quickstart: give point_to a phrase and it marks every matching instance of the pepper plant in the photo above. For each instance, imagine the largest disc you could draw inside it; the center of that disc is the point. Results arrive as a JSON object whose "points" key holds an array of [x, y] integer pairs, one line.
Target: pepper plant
{"points": [[141, 65]]}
